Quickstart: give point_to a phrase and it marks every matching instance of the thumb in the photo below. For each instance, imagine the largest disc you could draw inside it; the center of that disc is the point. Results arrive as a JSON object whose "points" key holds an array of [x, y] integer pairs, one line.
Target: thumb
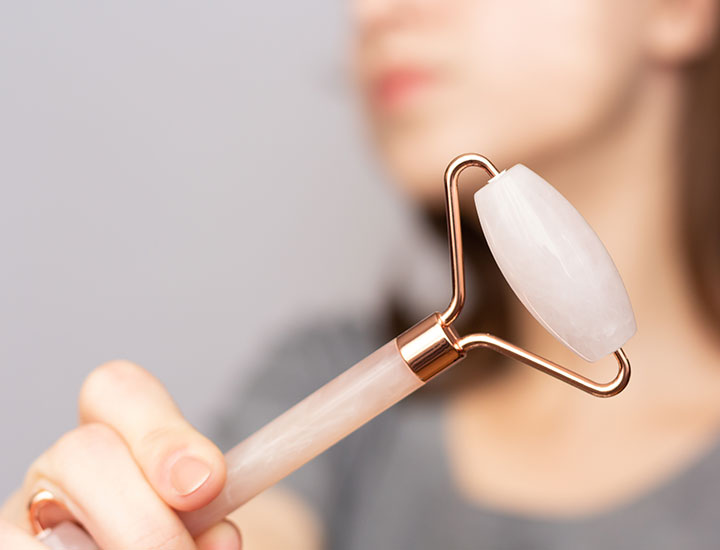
{"points": [[223, 536]]}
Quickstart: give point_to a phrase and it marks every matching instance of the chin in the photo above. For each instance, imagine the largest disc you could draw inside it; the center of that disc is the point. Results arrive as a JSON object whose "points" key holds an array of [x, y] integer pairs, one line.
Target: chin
{"points": [[416, 161], [418, 172], [416, 155]]}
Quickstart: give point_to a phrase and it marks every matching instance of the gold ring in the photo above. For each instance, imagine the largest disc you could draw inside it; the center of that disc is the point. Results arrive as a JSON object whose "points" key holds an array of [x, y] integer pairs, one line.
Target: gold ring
{"points": [[39, 501]]}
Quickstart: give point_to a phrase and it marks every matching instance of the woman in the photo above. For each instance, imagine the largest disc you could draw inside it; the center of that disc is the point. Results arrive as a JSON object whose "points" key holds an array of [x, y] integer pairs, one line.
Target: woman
{"points": [[616, 104]]}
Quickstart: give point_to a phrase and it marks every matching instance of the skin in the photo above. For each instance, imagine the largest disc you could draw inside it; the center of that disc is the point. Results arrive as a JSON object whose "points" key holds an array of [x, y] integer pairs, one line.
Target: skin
{"points": [[588, 93]]}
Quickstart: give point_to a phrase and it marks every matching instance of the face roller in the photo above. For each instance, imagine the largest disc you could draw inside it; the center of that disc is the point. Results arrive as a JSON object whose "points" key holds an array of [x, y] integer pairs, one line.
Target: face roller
{"points": [[555, 264]]}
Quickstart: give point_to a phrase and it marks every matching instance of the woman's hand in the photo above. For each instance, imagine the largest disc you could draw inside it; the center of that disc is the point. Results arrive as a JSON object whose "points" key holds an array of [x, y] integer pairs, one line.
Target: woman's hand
{"points": [[132, 461]]}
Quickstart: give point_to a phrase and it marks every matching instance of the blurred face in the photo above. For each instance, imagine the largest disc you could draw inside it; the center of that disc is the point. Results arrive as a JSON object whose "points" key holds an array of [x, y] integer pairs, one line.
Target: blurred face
{"points": [[516, 80]]}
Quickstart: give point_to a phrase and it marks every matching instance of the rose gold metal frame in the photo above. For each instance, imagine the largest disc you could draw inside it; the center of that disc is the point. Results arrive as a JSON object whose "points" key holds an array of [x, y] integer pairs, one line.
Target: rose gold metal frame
{"points": [[433, 344]]}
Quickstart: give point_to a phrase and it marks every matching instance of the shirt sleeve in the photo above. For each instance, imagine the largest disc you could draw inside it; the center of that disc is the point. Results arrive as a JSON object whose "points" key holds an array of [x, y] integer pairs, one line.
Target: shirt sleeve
{"points": [[285, 376]]}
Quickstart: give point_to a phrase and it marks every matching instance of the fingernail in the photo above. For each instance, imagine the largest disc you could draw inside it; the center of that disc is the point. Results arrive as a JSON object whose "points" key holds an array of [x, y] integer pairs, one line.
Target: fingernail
{"points": [[188, 474]]}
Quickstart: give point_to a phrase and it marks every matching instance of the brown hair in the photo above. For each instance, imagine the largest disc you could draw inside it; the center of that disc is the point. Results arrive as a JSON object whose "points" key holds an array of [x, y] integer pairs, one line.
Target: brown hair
{"points": [[699, 198]]}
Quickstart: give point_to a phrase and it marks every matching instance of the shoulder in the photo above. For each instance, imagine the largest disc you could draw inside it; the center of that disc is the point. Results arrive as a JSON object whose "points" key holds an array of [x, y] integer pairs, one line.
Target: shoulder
{"points": [[338, 342], [313, 354], [305, 358]]}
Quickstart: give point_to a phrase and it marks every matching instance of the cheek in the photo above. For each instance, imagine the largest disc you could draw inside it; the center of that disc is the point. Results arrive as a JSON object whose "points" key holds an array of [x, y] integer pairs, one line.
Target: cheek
{"points": [[526, 80], [553, 75]]}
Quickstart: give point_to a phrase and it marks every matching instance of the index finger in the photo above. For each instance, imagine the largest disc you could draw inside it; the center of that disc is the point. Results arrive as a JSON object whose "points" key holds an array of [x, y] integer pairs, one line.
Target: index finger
{"points": [[184, 467]]}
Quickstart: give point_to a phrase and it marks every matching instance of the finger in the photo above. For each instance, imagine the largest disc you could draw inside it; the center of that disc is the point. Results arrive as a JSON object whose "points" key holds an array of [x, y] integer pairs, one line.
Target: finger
{"points": [[185, 468], [224, 536], [14, 538], [92, 472]]}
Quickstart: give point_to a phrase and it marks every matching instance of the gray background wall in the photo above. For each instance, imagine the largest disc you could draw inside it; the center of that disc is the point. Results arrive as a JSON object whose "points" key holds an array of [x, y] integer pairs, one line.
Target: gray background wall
{"points": [[178, 180]]}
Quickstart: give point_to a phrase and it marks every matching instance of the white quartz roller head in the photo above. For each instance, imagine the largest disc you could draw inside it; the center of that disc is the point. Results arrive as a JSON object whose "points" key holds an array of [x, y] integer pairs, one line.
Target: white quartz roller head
{"points": [[555, 263]]}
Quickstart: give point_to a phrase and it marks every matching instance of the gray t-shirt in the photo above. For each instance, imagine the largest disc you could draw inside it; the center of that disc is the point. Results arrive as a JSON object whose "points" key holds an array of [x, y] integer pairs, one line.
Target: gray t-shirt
{"points": [[388, 486]]}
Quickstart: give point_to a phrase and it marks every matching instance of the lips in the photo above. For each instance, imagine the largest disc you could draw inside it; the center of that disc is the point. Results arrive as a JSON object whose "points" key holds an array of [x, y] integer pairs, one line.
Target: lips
{"points": [[397, 87]]}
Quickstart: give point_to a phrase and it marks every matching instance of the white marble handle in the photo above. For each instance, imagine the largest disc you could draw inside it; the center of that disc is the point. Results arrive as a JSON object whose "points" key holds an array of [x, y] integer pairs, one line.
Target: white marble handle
{"points": [[555, 263], [304, 431], [295, 437], [67, 536]]}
